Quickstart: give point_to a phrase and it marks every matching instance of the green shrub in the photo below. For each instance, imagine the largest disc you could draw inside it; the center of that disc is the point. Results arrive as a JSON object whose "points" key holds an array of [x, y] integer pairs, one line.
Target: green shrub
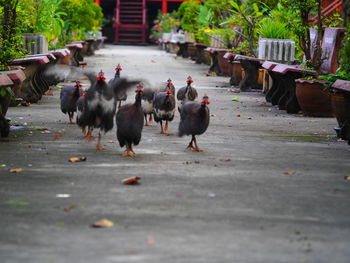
{"points": [[10, 41], [269, 28], [345, 54]]}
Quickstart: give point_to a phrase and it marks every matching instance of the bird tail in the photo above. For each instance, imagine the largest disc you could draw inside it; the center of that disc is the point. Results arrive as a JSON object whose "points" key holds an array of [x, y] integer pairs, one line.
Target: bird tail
{"points": [[121, 85]]}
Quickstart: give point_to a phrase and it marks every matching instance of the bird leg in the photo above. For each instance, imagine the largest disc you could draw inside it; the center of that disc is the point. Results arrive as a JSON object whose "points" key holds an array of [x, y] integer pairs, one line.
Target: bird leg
{"points": [[71, 115], [99, 146], [146, 124], [166, 126], [196, 149], [129, 152], [83, 130], [161, 128], [89, 136], [190, 145], [150, 118], [120, 104]]}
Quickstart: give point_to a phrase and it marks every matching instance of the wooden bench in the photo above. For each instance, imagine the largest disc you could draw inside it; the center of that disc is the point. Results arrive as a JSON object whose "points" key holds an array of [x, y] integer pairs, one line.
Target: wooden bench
{"points": [[75, 54], [288, 74], [34, 85], [235, 70], [251, 66]]}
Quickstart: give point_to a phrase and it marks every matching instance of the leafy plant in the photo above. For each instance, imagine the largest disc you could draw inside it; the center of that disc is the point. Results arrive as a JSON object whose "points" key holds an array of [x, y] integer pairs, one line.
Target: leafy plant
{"points": [[246, 16], [269, 28], [300, 26], [345, 54], [10, 41]]}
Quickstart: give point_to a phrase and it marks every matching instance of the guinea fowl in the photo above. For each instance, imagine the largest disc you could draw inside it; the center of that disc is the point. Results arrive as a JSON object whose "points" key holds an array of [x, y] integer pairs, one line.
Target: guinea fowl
{"points": [[99, 108], [121, 94], [187, 93], [69, 96], [164, 109], [147, 104], [81, 118], [169, 86], [194, 121], [129, 120]]}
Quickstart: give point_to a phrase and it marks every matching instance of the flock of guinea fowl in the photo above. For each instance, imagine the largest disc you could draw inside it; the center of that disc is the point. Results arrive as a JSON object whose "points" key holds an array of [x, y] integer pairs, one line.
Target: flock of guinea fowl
{"points": [[96, 107]]}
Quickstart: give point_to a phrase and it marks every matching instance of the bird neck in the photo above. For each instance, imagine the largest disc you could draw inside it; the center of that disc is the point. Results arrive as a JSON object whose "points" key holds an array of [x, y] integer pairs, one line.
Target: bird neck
{"points": [[138, 99], [117, 73]]}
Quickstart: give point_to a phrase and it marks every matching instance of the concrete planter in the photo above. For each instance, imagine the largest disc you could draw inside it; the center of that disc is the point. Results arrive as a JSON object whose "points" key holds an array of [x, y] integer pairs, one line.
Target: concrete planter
{"points": [[278, 50], [35, 43]]}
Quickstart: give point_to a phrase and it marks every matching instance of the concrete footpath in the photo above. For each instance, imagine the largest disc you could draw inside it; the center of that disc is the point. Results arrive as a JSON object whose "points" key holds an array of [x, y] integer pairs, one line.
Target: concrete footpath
{"points": [[269, 186]]}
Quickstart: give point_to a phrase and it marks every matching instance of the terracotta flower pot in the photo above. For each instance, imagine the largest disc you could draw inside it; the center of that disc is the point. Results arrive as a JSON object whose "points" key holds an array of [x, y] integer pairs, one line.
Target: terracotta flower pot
{"points": [[341, 107], [224, 64], [313, 98]]}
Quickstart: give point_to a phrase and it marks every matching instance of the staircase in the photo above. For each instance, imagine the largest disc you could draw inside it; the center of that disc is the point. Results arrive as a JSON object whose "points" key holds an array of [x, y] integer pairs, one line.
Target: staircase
{"points": [[329, 7], [131, 22]]}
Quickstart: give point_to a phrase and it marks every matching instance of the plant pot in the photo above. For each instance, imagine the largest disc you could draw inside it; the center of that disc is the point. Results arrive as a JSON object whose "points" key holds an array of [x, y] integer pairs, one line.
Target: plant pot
{"points": [[341, 108], [313, 98], [224, 64]]}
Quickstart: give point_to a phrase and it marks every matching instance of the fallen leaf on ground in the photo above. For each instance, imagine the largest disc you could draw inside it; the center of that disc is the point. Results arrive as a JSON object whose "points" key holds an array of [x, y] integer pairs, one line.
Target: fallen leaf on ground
{"points": [[238, 115], [347, 177], [58, 136], [2, 165], [42, 129], [235, 99], [25, 104], [103, 223], [131, 180], [289, 173], [109, 141], [17, 203], [77, 159], [71, 207], [150, 241], [17, 170]]}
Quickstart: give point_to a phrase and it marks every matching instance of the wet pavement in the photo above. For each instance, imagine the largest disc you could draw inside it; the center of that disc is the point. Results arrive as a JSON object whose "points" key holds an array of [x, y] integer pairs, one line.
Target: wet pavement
{"points": [[269, 186]]}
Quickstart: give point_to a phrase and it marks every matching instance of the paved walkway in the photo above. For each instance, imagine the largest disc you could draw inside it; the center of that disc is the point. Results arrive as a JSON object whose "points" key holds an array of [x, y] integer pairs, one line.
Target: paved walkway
{"points": [[269, 187]]}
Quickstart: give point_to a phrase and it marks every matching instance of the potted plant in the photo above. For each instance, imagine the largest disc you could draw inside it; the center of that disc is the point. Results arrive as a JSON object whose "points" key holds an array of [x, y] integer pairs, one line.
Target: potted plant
{"points": [[310, 94], [11, 46]]}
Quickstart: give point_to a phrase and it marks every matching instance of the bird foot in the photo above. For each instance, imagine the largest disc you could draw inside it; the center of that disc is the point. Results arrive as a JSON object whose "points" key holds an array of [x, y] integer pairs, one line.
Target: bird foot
{"points": [[83, 130], [196, 150], [128, 154], [169, 134], [99, 147], [163, 132], [72, 122], [148, 125], [89, 138]]}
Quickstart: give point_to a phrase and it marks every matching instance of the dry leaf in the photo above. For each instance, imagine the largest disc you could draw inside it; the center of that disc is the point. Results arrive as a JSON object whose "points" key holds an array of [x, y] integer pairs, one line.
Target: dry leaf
{"points": [[77, 159], [103, 223], [131, 180], [109, 141], [347, 177], [58, 136], [71, 207], [238, 115], [289, 173], [17, 170]]}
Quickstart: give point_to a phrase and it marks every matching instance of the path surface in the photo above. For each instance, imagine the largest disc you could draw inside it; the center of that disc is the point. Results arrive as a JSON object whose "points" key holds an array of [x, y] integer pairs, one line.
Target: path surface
{"points": [[269, 187]]}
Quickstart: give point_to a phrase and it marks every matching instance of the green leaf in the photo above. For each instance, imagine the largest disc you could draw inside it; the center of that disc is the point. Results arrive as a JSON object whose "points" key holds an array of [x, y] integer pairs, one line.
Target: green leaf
{"points": [[2, 92], [10, 92]]}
